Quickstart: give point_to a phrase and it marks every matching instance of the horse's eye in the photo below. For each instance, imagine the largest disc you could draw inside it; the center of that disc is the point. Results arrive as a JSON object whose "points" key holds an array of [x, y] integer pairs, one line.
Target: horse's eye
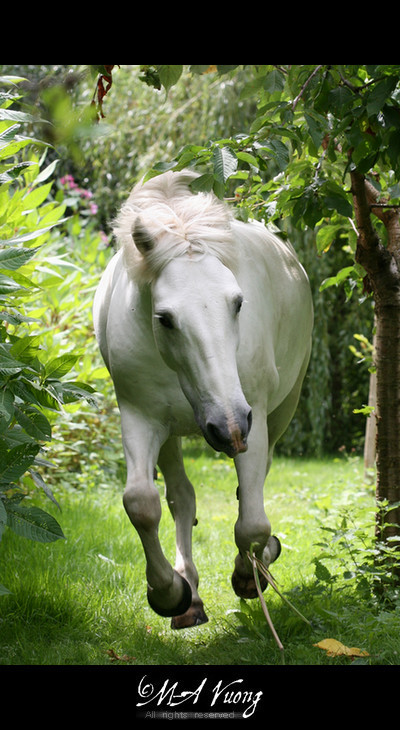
{"points": [[238, 304], [165, 320]]}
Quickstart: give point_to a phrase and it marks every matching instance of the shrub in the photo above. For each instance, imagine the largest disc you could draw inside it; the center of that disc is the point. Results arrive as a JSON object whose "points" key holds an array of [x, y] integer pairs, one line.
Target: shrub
{"points": [[32, 385]]}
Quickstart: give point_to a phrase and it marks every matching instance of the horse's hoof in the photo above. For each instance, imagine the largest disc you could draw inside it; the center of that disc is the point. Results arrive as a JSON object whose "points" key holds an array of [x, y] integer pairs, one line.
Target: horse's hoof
{"points": [[195, 616], [180, 608], [277, 549], [245, 585]]}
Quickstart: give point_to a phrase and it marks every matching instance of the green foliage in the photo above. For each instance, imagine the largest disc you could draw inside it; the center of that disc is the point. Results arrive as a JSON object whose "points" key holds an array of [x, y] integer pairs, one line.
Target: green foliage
{"points": [[223, 121], [148, 125], [32, 370], [224, 117], [312, 125]]}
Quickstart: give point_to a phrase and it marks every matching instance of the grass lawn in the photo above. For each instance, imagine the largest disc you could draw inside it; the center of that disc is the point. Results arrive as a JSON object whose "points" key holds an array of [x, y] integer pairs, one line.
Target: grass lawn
{"points": [[82, 600]]}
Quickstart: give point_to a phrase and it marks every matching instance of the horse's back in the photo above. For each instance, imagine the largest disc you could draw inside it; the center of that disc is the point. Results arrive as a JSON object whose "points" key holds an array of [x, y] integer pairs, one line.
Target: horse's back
{"points": [[277, 319], [269, 255]]}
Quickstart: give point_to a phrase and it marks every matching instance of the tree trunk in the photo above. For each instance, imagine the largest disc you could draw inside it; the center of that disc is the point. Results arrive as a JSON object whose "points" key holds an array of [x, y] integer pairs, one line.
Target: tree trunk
{"points": [[382, 265], [370, 431]]}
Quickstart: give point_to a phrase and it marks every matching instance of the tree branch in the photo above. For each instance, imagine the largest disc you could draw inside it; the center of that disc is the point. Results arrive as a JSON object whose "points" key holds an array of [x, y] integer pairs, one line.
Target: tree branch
{"points": [[367, 236], [384, 205], [303, 88], [390, 217]]}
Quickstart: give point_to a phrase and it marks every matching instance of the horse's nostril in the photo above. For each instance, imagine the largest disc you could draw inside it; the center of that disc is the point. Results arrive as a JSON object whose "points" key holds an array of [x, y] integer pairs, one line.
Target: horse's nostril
{"points": [[249, 421], [230, 439], [214, 432], [218, 436]]}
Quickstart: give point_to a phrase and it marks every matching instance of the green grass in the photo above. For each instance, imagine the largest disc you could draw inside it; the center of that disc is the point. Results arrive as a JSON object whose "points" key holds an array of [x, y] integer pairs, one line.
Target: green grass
{"points": [[75, 601]]}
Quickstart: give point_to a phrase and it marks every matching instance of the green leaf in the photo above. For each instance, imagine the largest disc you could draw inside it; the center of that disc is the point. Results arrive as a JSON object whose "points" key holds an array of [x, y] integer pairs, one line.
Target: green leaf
{"points": [[8, 134], [60, 366], [46, 172], [36, 197], [338, 279], [198, 69], [340, 100], [10, 170], [379, 94], [37, 478], [3, 520], [33, 523], [34, 423], [321, 572], [339, 203], [225, 69], [11, 149], [326, 235], [8, 285], [247, 157], [7, 79], [29, 236], [279, 152], [73, 391], [8, 364], [26, 348], [16, 116], [202, 184], [365, 411], [365, 151], [317, 128], [16, 318], [334, 197], [169, 75], [15, 462], [47, 397], [274, 81], [13, 258], [225, 163], [6, 409], [52, 214]]}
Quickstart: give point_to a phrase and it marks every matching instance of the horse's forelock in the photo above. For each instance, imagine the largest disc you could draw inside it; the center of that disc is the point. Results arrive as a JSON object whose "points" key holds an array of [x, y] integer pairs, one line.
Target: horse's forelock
{"points": [[176, 221]]}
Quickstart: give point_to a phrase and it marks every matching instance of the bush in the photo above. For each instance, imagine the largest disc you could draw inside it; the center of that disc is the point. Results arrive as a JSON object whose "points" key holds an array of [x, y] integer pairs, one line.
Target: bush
{"points": [[32, 366]]}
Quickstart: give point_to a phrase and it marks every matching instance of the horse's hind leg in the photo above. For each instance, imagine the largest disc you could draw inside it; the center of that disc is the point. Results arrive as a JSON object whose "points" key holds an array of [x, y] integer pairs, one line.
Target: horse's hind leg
{"points": [[182, 503]]}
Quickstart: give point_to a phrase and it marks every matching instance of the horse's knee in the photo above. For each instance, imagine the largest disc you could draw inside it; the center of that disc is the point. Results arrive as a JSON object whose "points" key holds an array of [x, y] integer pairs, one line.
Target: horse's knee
{"points": [[142, 504]]}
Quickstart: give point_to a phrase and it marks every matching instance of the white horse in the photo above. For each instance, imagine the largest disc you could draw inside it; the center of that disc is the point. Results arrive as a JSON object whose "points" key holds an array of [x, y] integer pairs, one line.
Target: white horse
{"points": [[204, 323]]}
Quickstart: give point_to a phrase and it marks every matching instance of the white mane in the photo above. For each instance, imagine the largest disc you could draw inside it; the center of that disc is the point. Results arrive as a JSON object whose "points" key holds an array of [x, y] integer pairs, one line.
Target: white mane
{"points": [[177, 221]]}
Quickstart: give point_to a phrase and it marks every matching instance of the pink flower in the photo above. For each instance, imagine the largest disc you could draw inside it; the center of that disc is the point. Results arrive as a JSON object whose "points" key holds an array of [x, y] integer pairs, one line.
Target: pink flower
{"points": [[69, 182]]}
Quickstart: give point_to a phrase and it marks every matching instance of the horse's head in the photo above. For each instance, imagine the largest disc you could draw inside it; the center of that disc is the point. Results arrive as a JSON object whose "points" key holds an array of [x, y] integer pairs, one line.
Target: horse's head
{"points": [[196, 305], [196, 308]]}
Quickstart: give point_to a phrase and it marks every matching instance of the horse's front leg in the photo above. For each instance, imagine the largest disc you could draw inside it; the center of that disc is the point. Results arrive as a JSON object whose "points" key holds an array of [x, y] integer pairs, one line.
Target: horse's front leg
{"points": [[252, 526], [182, 504], [168, 593]]}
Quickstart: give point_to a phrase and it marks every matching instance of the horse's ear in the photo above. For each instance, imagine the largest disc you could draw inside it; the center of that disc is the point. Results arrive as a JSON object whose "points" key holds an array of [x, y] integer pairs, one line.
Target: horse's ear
{"points": [[141, 237]]}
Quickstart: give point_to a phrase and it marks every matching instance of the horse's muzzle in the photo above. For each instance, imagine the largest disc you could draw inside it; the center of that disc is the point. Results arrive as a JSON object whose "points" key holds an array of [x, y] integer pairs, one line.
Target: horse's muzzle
{"points": [[230, 438]]}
